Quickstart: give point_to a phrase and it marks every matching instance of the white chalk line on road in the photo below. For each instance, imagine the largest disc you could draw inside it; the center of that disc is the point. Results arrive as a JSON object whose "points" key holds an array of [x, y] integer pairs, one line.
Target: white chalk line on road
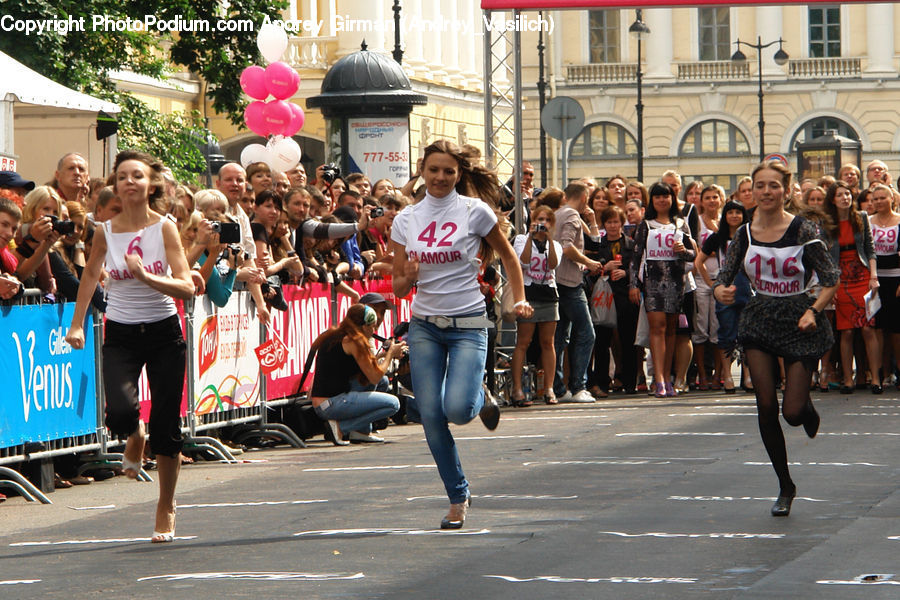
{"points": [[372, 468], [389, 531], [496, 497], [19, 581], [730, 536], [816, 464], [871, 414], [621, 461], [257, 576], [739, 498], [494, 437], [678, 434], [559, 418], [624, 460], [615, 579], [714, 414], [95, 541], [859, 433], [257, 503]]}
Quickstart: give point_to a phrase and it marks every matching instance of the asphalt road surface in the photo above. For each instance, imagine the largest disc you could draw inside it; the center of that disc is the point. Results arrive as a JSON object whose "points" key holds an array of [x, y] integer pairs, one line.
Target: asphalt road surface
{"points": [[632, 497]]}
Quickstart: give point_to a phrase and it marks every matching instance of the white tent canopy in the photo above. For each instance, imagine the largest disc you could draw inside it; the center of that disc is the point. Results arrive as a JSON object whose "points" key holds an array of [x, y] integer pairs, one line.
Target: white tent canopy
{"points": [[21, 84]]}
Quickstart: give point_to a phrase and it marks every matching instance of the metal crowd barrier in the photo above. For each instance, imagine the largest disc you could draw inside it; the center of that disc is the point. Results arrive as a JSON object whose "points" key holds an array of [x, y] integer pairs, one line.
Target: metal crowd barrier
{"points": [[55, 404]]}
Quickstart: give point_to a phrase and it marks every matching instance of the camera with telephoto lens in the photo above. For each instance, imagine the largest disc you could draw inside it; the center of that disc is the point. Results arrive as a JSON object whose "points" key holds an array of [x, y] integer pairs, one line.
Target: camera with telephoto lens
{"points": [[377, 211], [62, 227], [330, 172], [229, 233]]}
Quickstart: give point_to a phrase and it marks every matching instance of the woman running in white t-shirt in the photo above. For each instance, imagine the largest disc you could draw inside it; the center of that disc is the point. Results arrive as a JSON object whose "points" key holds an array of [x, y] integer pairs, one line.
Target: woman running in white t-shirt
{"points": [[439, 245]]}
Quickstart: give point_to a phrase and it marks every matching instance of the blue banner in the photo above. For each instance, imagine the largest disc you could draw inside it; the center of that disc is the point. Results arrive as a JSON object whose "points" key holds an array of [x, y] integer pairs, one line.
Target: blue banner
{"points": [[49, 387]]}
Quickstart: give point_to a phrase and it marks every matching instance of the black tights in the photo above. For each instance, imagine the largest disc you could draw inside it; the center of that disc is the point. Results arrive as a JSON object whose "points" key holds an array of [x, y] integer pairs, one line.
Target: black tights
{"points": [[796, 406]]}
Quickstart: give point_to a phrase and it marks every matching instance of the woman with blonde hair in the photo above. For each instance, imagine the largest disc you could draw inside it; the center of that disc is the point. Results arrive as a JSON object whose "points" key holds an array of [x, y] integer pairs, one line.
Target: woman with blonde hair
{"points": [[36, 236]]}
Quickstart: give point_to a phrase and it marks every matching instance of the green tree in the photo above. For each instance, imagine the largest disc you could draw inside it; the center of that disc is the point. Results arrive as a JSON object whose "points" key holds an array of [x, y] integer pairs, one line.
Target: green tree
{"points": [[86, 61]]}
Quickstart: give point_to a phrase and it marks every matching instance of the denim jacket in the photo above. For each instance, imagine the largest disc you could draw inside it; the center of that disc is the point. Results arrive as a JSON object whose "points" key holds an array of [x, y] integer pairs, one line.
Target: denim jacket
{"points": [[865, 246]]}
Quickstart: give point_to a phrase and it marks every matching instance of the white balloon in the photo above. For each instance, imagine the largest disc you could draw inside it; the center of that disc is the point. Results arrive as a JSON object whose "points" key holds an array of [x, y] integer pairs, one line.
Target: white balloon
{"points": [[272, 41], [255, 153], [285, 155]]}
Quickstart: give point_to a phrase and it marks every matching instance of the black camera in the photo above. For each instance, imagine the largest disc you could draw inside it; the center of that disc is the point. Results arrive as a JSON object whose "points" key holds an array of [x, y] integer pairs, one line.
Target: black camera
{"points": [[539, 227], [330, 172], [62, 227], [377, 211], [229, 233]]}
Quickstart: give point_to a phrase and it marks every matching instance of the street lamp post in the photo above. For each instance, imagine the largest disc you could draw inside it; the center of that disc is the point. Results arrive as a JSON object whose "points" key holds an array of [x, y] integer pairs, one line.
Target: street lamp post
{"points": [[780, 57], [640, 31]]}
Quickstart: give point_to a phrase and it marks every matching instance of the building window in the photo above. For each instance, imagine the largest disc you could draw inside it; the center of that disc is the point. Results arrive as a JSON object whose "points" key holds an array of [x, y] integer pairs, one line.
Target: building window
{"points": [[604, 36], [603, 140], [816, 127], [714, 137], [715, 33], [825, 32]]}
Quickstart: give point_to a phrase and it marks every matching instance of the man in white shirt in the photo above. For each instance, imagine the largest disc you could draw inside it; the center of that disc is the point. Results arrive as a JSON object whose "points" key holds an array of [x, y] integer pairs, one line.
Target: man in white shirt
{"points": [[232, 181]]}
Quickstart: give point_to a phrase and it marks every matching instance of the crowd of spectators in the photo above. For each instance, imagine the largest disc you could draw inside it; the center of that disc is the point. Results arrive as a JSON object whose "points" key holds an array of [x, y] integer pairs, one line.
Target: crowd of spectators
{"points": [[263, 229]]}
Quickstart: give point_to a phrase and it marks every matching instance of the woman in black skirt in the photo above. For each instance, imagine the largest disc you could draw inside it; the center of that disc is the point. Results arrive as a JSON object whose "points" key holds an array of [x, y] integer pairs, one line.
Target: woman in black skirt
{"points": [[779, 253]]}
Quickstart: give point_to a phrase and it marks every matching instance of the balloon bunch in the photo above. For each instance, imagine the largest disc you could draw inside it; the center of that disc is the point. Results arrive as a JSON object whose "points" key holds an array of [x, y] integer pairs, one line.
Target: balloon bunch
{"points": [[276, 118]]}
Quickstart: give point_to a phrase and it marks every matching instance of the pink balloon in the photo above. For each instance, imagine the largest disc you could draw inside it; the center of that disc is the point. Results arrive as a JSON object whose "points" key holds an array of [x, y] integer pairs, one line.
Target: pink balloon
{"points": [[277, 115], [253, 117], [297, 120], [253, 82], [280, 80]]}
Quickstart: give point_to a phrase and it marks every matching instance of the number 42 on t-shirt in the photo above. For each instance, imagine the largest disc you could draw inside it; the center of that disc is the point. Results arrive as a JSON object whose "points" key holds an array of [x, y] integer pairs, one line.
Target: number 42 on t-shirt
{"points": [[429, 234]]}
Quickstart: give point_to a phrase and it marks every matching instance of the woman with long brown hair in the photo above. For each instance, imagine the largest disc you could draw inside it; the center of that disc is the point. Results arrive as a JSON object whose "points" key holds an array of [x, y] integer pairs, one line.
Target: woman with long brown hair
{"points": [[142, 253], [344, 352], [854, 250], [439, 245]]}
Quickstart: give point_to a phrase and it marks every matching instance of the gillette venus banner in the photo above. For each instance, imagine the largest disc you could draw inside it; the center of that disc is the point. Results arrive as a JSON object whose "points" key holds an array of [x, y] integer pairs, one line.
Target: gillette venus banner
{"points": [[49, 387]]}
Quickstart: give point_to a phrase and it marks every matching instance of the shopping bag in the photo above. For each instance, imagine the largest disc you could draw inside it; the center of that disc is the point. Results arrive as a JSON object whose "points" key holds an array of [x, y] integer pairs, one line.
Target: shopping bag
{"points": [[603, 306], [642, 335]]}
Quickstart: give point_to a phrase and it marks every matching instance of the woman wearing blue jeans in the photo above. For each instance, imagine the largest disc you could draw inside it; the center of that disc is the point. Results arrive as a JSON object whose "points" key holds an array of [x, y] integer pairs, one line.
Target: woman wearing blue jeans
{"points": [[344, 354], [439, 245]]}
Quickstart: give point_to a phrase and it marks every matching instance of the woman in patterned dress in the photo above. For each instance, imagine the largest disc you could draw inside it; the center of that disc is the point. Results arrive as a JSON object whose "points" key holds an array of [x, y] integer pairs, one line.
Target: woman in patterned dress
{"points": [[779, 253]]}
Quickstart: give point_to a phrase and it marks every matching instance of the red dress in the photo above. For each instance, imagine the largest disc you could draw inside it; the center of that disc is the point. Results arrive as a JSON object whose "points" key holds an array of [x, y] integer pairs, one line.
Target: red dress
{"points": [[850, 308]]}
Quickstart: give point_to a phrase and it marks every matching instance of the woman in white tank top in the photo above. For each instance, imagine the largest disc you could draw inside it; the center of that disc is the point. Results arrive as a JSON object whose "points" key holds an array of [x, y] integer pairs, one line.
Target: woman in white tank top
{"points": [[147, 269]]}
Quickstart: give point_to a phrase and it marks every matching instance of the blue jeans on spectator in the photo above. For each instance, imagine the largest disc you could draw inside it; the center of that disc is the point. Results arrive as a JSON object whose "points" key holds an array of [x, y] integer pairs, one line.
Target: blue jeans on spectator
{"points": [[356, 410], [574, 315], [728, 317], [383, 385], [447, 367]]}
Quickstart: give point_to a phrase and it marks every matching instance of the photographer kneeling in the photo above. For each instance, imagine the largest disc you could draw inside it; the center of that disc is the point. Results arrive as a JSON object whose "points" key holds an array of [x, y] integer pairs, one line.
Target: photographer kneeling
{"points": [[345, 353]]}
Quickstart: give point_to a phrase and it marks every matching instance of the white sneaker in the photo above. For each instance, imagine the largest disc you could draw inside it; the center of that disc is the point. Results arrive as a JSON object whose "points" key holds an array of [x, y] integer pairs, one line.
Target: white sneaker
{"points": [[567, 397], [364, 438], [583, 396]]}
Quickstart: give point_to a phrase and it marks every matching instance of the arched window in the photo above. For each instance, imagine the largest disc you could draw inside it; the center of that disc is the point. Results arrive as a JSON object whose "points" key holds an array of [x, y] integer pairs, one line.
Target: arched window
{"points": [[714, 137], [816, 127], [603, 140]]}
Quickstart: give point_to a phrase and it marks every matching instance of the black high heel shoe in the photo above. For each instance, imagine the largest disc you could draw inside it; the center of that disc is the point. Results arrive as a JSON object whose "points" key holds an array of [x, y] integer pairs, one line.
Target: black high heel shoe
{"points": [[877, 389], [782, 506]]}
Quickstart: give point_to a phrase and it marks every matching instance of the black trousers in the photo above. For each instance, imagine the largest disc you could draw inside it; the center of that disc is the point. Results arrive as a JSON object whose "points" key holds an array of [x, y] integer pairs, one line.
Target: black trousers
{"points": [[159, 346], [626, 325]]}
